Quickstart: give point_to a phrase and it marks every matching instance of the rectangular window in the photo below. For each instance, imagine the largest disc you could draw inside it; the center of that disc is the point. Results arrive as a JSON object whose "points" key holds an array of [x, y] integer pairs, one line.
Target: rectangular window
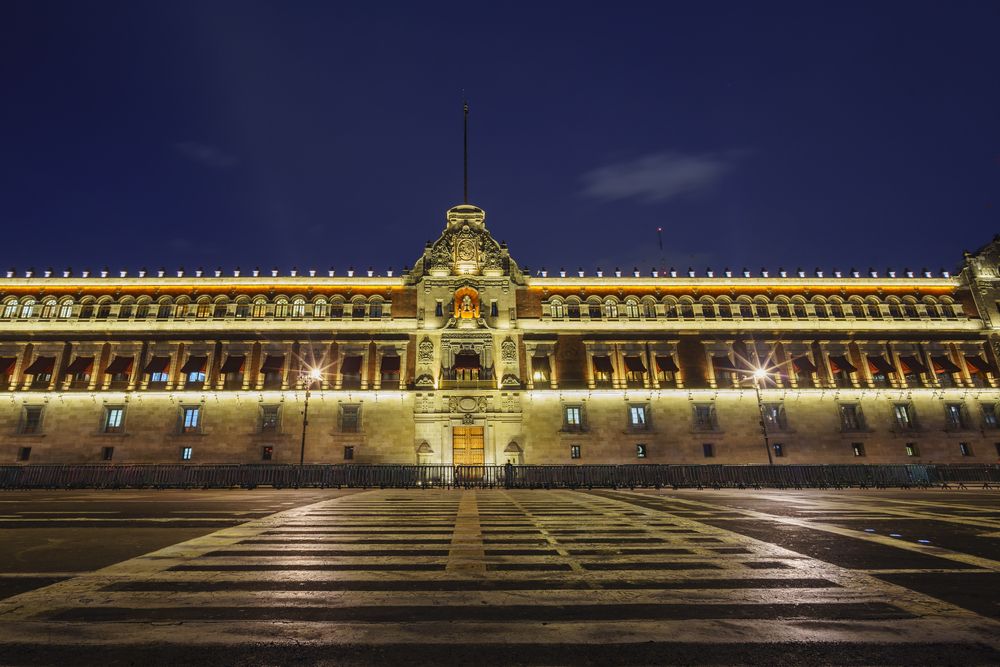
{"points": [[23, 453], [32, 421], [708, 450], [266, 453], [186, 453], [903, 413], [350, 418], [779, 449], [438, 309], [997, 445], [107, 453], [704, 416], [911, 449], [990, 420], [269, 418], [191, 419], [640, 451], [774, 416], [494, 309], [858, 448], [114, 416], [159, 376], [955, 416], [349, 452], [637, 417], [965, 448], [851, 418], [195, 377], [574, 451], [573, 418]]}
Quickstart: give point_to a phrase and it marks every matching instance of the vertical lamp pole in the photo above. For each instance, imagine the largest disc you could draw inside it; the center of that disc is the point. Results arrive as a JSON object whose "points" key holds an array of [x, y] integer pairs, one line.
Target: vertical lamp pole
{"points": [[311, 376], [758, 375]]}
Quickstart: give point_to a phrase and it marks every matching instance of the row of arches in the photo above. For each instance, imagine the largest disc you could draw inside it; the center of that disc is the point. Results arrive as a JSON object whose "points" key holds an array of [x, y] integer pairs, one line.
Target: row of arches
{"points": [[204, 307], [759, 307]]}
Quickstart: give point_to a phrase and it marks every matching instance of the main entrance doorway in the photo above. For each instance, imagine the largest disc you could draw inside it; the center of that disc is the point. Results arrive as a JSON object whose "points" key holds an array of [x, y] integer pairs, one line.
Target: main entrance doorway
{"points": [[467, 445]]}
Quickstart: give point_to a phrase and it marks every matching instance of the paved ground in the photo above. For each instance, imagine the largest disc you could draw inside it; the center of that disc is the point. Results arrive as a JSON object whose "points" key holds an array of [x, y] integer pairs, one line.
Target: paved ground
{"points": [[500, 577]]}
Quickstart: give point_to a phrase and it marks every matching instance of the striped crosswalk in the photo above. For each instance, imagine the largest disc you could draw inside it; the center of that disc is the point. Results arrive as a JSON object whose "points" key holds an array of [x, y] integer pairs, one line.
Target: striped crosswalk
{"points": [[513, 568]]}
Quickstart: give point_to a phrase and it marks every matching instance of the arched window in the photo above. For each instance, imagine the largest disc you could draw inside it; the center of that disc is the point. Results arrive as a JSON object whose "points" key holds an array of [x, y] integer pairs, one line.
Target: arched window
{"points": [[65, 310], [27, 308], [573, 310], [242, 309], [104, 310], [762, 311], [375, 309], [281, 307], [837, 310], [874, 311], [708, 310], [259, 309], [358, 310], [204, 310], [10, 310], [821, 312], [163, 311], [48, 308], [782, 309], [125, 310], [557, 309], [611, 310], [321, 309], [594, 310], [632, 309], [336, 309], [299, 307], [649, 310], [142, 311]]}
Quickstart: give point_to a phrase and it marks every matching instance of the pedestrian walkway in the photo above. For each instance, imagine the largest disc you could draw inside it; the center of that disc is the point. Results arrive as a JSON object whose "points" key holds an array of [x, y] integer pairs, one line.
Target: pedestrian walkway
{"points": [[519, 576]]}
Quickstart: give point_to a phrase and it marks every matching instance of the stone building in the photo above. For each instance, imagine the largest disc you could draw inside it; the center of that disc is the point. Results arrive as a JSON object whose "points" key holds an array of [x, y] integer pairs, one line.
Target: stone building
{"points": [[466, 359]]}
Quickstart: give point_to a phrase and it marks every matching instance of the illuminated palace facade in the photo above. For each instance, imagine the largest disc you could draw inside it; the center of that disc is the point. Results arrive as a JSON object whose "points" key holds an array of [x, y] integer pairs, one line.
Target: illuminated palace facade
{"points": [[466, 359]]}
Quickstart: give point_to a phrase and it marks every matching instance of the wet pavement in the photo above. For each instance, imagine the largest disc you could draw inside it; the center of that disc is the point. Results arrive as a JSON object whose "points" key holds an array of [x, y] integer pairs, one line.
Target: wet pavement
{"points": [[500, 577]]}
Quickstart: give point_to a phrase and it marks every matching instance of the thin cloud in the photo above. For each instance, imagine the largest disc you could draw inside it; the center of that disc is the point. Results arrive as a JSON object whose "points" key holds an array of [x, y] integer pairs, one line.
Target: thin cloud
{"points": [[657, 177], [209, 156]]}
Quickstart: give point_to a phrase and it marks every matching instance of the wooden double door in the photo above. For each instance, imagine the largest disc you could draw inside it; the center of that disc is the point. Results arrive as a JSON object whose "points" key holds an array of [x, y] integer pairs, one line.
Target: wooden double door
{"points": [[467, 445]]}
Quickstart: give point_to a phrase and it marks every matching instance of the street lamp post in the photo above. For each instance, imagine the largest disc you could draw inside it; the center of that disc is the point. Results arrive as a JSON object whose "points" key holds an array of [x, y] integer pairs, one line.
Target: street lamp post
{"points": [[758, 375], [311, 376]]}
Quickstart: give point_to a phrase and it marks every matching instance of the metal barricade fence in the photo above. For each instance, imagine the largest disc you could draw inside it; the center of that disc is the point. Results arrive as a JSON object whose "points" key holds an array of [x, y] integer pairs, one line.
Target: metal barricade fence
{"points": [[493, 476]]}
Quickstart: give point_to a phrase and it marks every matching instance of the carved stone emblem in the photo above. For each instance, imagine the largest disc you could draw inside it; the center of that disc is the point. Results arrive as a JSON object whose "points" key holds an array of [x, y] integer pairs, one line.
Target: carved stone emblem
{"points": [[508, 351], [425, 351]]}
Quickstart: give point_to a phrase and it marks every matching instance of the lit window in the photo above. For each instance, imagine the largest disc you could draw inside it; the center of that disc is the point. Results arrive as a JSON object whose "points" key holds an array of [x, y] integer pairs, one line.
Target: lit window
{"points": [[48, 309], [269, 418], [774, 416], [903, 413], [242, 310], [10, 310], [27, 309], [779, 449], [632, 310], [965, 449], [66, 310], [574, 451], [186, 453], [573, 417], [203, 310], [375, 310], [259, 309], [196, 376], [640, 451], [955, 416], [299, 308], [858, 449], [611, 310], [851, 418], [281, 308], [911, 449], [637, 416], [558, 310], [113, 418], [321, 309], [159, 376], [192, 419], [990, 420]]}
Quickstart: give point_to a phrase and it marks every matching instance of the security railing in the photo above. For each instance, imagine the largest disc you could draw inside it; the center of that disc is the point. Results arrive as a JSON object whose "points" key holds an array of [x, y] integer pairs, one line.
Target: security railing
{"points": [[158, 476]]}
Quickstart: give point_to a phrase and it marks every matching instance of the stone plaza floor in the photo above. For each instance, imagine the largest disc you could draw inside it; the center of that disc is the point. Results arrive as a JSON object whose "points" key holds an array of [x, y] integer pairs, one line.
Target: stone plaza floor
{"points": [[500, 577]]}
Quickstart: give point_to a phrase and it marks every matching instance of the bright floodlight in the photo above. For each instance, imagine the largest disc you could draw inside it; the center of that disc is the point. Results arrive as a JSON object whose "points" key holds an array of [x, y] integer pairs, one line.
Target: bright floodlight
{"points": [[759, 373], [314, 374]]}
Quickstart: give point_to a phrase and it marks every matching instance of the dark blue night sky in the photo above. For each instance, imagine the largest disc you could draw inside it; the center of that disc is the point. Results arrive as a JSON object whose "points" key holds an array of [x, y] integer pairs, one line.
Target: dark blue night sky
{"points": [[319, 134]]}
